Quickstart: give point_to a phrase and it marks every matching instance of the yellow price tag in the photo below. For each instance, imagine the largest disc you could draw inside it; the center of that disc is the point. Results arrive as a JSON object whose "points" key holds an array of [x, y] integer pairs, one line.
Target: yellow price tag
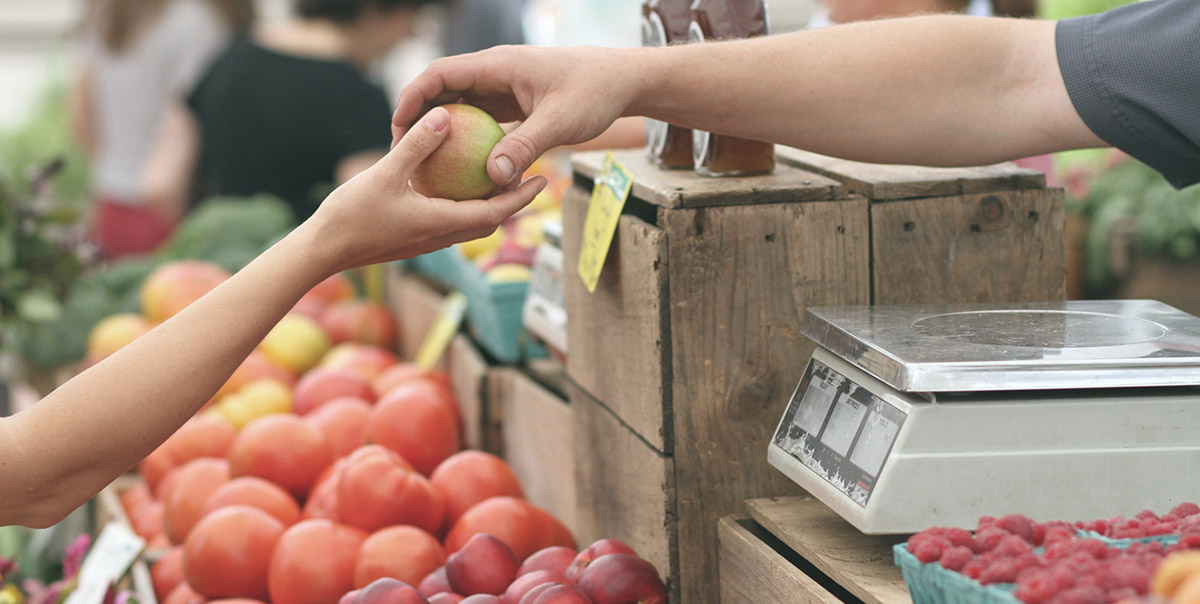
{"points": [[442, 331], [608, 199]]}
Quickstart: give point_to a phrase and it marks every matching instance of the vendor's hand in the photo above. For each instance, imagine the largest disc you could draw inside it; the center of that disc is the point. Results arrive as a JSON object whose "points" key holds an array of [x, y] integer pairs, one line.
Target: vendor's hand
{"points": [[377, 217], [561, 96]]}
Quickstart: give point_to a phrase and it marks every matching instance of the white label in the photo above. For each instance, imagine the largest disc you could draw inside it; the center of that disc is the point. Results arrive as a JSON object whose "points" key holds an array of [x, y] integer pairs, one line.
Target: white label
{"points": [[109, 558]]}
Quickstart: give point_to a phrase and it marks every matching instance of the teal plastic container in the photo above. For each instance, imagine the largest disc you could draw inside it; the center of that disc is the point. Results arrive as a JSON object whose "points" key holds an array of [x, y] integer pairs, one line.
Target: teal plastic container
{"points": [[932, 584]]}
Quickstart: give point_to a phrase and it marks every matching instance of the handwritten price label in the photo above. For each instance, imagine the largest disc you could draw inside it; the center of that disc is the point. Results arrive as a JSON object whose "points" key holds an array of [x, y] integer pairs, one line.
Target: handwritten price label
{"points": [[608, 199]]}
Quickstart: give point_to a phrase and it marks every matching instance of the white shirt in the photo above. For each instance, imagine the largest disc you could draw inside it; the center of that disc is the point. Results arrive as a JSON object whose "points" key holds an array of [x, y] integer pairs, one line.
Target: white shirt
{"points": [[130, 90]]}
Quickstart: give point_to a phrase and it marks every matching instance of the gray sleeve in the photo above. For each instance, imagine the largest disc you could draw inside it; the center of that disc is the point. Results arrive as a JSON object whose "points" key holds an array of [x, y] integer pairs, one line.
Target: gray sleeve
{"points": [[1133, 74], [478, 24]]}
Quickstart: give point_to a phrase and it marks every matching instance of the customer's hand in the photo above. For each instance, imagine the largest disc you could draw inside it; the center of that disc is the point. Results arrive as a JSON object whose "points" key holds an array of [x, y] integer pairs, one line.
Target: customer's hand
{"points": [[561, 96], [377, 217]]}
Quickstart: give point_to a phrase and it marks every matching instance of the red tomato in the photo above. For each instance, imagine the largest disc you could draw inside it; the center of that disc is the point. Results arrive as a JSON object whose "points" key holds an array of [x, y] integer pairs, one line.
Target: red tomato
{"points": [[314, 562], [228, 553]]}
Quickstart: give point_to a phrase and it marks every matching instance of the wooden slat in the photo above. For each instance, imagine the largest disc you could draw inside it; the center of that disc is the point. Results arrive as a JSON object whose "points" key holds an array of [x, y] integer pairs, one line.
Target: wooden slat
{"points": [[468, 372], [415, 304], [741, 277], [685, 189], [625, 488], [619, 332], [753, 572], [883, 182], [860, 563], [994, 247], [537, 436]]}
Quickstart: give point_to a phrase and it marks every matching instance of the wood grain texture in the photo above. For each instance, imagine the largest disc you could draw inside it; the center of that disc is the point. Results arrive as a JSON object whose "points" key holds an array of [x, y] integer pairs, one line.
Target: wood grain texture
{"points": [[619, 331], [860, 563], [685, 189], [993, 247], [884, 182], [625, 488], [537, 437], [753, 572], [468, 372], [415, 304], [741, 277]]}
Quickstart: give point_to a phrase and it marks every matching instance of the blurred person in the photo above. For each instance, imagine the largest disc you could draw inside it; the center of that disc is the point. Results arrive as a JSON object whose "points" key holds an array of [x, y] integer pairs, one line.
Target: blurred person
{"points": [[473, 25], [289, 110], [134, 56], [63, 450]]}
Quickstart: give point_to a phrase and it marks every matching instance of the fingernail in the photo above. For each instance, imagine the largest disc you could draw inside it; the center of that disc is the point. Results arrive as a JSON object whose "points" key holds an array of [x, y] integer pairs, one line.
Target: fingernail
{"points": [[437, 119], [504, 165]]}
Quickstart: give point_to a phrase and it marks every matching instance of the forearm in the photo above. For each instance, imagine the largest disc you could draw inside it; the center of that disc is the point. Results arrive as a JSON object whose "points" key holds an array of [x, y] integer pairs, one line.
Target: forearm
{"points": [[105, 420], [941, 90]]}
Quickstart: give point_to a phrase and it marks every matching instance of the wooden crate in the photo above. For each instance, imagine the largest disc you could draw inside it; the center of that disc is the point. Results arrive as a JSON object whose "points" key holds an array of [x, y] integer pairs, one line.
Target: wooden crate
{"points": [[533, 431], [693, 332], [108, 509], [795, 549]]}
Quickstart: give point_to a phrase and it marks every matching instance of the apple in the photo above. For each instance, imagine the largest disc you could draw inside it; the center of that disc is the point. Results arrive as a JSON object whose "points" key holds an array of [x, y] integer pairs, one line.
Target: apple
{"points": [[389, 591], [622, 579], [482, 599], [555, 558], [435, 583], [593, 551], [555, 593], [458, 168], [484, 565], [526, 582], [445, 597]]}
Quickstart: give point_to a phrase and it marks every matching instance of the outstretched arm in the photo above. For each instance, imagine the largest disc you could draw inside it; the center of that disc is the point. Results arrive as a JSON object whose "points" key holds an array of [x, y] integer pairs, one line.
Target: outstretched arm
{"points": [[69, 446], [937, 90]]}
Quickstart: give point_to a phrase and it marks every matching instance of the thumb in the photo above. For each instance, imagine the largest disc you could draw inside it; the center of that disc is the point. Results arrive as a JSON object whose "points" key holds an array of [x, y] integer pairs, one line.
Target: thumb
{"points": [[513, 155], [418, 143]]}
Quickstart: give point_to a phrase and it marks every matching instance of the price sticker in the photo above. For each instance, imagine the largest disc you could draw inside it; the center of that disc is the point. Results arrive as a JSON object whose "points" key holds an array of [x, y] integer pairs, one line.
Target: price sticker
{"points": [[608, 199], [442, 331]]}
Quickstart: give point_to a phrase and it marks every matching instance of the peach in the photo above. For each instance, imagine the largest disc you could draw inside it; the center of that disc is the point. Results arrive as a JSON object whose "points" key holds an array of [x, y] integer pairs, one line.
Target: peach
{"points": [[322, 385], [484, 565], [174, 285], [359, 321], [555, 558], [389, 591], [364, 359], [555, 593], [458, 168], [435, 583], [445, 597], [482, 599], [526, 582], [113, 332]]}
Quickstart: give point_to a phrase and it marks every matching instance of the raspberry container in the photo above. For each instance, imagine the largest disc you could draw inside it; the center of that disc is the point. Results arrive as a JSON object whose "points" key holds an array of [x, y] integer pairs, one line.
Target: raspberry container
{"points": [[933, 584]]}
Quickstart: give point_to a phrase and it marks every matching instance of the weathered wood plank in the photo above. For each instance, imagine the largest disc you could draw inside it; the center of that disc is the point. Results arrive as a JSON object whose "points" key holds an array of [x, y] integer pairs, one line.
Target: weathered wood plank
{"points": [[993, 247], [415, 305], [753, 572], [686, 189], [625, 488], [884, 182], [618, 333], [741, 277], [468, 372], [860, 563], [537, 440]]}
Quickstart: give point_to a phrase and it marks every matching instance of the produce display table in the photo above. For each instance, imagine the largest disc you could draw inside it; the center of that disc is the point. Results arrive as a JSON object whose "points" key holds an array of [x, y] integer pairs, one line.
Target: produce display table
{"points": [[795, 549], [683, 359]]}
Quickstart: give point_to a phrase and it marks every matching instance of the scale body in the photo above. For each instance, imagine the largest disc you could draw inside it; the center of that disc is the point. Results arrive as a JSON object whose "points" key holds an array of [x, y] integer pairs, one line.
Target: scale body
{"points": [[908, 417]]}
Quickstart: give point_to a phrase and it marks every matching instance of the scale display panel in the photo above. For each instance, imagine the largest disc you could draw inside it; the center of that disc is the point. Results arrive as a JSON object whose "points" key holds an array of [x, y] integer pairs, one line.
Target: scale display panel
{"points": [[840, 431]]}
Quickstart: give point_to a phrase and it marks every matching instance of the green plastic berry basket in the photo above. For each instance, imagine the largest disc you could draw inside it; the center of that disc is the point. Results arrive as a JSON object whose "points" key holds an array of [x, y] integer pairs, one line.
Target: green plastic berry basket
{"points": [[1171, 539], [933, 584]]}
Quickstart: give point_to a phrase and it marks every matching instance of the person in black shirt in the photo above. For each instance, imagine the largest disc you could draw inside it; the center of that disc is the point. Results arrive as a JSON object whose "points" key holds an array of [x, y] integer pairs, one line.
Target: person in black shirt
{"points": [[287, 111]]}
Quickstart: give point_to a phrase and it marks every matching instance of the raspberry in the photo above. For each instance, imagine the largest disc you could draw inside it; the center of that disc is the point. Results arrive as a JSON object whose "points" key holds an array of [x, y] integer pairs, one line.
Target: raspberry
{"points": [[974, 569], [1122, 593], [956, 557], [1159, 528], [954, 535], [987, 538], [1013, 546], [1025, 562], [1056, 535], [1146, 515], [1062, 577], [926, 550], [1002, 570], [1036, 588], [1081, 594], [1018, 525], [1187, 541], [1044, 531], [1184, 510], [985, 521], [1059, 549], [1126, 572], [1093, 547]]}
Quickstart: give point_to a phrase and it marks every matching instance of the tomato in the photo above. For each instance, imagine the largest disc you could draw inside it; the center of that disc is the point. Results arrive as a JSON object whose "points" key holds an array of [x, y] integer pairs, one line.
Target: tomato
{"points": [[259, 493], [377, 489], [343, 421], [228, 553], [525, 527], [155, 467], [184, 594], [203, 435], [322, 500], [401, 552], [167, 572], [469, 477], [314, 562], [257, 366], [418, 422], [321, 385], [283, 449], [186, 490], [396, 375]]}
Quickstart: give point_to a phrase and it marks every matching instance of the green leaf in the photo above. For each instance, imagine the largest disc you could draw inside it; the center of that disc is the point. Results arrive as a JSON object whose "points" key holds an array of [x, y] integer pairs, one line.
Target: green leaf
{"points": [[38, 306]]}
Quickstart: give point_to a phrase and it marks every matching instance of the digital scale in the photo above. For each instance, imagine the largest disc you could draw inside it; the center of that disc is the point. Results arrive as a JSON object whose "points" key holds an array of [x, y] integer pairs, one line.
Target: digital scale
{"points": [[544, 313], [915, 416]]}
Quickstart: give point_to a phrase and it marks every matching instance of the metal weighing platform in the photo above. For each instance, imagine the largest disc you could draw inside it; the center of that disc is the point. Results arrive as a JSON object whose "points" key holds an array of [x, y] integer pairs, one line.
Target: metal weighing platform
{"points": [[913, 416]]}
